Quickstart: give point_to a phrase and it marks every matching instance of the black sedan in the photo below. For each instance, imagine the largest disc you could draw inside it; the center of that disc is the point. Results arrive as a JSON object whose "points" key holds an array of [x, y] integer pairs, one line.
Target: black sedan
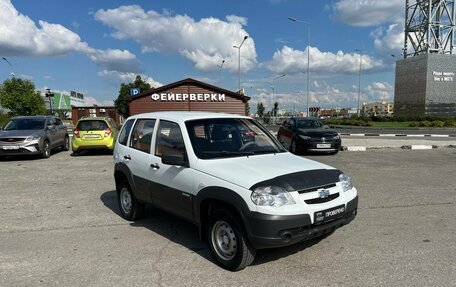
{"points": [[308, 135]]}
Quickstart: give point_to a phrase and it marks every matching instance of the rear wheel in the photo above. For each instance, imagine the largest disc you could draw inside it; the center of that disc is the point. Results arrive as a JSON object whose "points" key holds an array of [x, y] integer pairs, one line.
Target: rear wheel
{"points": [[46, 149], [228, 242], [66, 144], [130, 208]]}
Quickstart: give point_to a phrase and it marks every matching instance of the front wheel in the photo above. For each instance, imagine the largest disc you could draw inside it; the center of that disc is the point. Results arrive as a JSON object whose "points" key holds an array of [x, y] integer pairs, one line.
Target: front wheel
{"points": [[130, 208], [46, 149], [228, 242], [293, 147]]}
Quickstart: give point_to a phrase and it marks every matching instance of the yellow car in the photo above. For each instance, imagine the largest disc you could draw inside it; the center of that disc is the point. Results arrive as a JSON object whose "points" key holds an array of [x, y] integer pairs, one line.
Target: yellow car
{"points": [[94, 133]]}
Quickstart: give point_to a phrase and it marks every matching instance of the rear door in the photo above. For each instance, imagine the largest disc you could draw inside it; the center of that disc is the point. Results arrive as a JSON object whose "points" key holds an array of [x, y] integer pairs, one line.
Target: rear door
{"points": [[52, 132], [138, 157], [61, 130], [92, 130]]}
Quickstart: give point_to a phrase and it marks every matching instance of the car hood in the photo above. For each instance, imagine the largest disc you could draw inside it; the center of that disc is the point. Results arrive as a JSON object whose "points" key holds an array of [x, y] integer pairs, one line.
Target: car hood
{"points": [[249, 171], [20, 133], [318, 132]]}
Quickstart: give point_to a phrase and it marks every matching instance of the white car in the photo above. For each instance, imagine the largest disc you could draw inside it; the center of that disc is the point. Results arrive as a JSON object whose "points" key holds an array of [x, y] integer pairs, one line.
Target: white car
{"points": [[228, 175]]}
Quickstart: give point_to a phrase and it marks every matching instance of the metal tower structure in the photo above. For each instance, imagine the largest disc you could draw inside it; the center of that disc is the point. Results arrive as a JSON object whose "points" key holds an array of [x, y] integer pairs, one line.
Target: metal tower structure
{"points": [[429, 27]]}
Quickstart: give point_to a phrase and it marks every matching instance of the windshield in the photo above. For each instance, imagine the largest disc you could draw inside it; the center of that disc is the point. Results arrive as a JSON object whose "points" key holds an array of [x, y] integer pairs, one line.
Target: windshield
{"points": [[25, 124], [309, 124], [92, 125], [217, 138]]}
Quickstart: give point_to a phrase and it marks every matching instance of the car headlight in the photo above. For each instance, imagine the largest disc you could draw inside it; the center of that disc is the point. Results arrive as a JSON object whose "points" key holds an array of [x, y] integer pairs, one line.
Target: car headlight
{"points": [[306, 138], [336, 137], [32, 138], [346, 182], [271, 196]]}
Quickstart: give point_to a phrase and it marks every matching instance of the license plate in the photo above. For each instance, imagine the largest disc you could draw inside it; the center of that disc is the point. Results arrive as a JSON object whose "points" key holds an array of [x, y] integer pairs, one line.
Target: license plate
{"points": [[92, 136], [328, 215], [323, 145], [10, 147]]}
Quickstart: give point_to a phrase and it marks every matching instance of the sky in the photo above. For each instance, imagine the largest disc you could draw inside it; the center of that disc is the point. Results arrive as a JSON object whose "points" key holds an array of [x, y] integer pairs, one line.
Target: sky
{"points": [[93, 46]]}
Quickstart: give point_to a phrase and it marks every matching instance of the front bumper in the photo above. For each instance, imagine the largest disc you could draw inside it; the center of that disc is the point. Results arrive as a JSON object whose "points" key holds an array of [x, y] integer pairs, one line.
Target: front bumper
{"points": [[314, 145], [268, 231], [21, 148]]}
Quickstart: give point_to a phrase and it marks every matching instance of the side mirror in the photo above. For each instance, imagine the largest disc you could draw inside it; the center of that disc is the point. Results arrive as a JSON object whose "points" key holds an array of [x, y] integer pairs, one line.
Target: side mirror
{"points": [[1, 128], [173, 158], [326, 127]]}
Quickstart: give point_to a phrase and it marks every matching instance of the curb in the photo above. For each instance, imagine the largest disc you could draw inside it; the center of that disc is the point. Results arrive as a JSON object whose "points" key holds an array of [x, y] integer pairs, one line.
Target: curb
{"points": [[404, 147], [397, 135]]}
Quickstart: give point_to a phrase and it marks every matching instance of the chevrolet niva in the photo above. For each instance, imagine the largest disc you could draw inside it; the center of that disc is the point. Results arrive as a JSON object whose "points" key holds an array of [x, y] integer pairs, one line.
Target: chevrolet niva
{"points": [[229, 176]]}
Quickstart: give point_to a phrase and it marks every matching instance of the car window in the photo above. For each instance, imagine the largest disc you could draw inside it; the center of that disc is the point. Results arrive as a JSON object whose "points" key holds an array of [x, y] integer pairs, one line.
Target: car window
{"points": [[169, 139], [92, 125], [141, 136], [291, 123], [49, 122], [216, 138], [310, 124], [123, 136], [25, 124]]}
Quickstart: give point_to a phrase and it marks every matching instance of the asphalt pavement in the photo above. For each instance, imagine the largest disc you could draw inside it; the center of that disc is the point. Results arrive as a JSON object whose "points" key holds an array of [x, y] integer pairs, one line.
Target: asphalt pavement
{"points": [[61, 227]]}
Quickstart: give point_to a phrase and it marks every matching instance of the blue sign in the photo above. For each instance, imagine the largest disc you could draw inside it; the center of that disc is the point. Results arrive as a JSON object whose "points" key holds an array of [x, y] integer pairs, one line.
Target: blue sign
{"points": [[134, 92]]}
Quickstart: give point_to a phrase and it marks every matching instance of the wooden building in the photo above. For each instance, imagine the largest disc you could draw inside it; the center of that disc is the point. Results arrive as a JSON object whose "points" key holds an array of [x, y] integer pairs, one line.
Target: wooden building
{"points": [[189, 95], [94, 111]]}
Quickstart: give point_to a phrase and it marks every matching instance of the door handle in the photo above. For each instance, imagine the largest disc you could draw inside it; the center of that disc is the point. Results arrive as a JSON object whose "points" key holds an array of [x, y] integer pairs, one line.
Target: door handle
{"points": [[127, 157], [154, 165]]}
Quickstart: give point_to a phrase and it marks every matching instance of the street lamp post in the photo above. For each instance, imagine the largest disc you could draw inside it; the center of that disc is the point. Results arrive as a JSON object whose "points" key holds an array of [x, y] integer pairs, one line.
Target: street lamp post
{"points": [[50, 95], [359, 78], [221, 76], [239, 57], [273, 95], [11, 66], [308, 56]]}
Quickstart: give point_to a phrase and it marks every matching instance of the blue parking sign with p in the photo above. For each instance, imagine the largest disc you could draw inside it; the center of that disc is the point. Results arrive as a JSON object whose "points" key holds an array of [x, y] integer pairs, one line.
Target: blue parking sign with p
{"points": [[134, 92]]}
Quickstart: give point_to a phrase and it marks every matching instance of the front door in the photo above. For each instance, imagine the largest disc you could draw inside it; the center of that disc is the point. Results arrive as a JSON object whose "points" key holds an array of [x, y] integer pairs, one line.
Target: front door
{"points": [[171, 185]]}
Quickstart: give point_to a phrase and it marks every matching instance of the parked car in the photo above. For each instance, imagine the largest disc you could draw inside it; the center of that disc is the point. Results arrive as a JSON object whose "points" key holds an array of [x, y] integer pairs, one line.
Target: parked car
{"points": [[29, 135], [94, 133], [308, 135], [243, 192]]}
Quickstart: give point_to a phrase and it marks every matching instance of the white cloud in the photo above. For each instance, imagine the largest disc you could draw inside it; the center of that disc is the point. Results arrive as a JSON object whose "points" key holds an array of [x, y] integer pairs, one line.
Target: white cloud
{"points": [[20, 36], [291, 61], [237, 20], [117, 78], [390, 41], [379, 91], [114, 59], [205, 42], [368, 12]]}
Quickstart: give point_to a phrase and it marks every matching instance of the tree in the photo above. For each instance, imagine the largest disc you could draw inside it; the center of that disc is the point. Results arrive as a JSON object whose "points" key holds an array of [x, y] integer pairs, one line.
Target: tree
{"points": [[121, 103], [260, 109], [19, 96]]}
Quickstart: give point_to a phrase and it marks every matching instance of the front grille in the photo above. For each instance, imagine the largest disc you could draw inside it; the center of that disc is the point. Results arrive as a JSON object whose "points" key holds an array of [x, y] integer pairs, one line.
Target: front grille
{"points": [[11, 140], [328, 186], [322, 200], [15, 151]]}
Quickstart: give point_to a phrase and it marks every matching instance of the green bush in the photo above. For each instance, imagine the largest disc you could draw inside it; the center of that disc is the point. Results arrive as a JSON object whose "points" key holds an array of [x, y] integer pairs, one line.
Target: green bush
{"points": [[414, 124], [438, 124]]}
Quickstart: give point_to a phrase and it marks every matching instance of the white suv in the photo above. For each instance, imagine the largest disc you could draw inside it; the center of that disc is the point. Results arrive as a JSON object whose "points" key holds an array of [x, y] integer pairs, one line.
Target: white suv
{"points": [[228, 175]]}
